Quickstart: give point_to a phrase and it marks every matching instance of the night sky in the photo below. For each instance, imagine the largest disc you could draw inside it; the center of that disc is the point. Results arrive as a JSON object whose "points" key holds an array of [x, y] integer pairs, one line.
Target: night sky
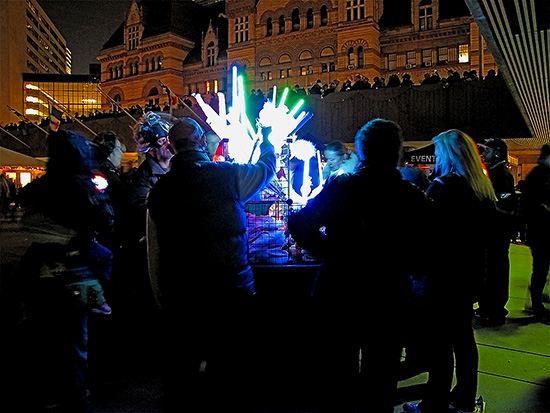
{"points": [[86, 26]]}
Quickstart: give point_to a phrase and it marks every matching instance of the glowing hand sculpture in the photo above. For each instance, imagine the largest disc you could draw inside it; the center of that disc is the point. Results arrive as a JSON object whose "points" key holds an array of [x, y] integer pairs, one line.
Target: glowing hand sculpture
{"points": [[228, 125], [235, 125]]}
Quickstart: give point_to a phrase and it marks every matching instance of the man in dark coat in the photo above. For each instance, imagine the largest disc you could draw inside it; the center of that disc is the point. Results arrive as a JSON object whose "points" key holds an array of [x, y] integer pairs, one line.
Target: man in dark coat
{"points": [[495, 289], [198, 258], [536, 194], [356, 226]]}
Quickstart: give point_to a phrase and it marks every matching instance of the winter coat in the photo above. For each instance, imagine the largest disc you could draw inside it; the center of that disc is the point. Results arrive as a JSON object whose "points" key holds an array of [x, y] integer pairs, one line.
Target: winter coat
{"points": [[143, 180], [359, 225], [462, 226], [536, 204], [198, 209]]}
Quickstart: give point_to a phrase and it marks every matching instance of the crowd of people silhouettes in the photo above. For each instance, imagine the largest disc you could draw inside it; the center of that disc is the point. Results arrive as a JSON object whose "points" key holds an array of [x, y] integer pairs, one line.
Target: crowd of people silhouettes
{"points": [[175, 236]]}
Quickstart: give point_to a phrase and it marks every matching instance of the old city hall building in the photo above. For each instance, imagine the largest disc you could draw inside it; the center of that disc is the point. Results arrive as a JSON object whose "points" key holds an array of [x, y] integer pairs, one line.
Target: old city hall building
{"points": [[191, 46]]}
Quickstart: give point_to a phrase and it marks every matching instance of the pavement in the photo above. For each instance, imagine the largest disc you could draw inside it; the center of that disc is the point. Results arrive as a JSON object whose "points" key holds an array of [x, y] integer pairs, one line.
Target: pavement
{"points": [[514, 359], [514, 367]]}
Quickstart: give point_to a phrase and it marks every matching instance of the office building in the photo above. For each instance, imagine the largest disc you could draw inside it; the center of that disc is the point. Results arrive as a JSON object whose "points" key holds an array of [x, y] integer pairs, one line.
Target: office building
{"points": [[30, 44]]}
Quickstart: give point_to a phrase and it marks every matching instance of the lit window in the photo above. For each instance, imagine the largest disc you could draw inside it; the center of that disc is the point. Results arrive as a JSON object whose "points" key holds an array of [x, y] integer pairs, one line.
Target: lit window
{"points": [[463, 53], [24, 178]]}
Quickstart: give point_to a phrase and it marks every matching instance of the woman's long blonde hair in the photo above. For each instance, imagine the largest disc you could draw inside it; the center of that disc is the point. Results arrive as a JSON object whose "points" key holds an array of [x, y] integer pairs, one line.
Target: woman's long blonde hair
{"points": [[456, 152]]}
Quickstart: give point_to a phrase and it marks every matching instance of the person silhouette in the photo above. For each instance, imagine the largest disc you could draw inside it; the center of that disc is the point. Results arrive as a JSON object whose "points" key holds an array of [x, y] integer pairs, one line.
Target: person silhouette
{"points": [[536, 202], [351, 225]]}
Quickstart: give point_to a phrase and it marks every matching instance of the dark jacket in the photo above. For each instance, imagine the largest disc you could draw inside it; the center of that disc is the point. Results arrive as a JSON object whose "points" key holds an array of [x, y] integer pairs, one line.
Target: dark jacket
{"points": [[367, 219], [66, 194], [198, 209], [536, 204], [143, 180], [503, 184], [462, 224], [120, 199]]}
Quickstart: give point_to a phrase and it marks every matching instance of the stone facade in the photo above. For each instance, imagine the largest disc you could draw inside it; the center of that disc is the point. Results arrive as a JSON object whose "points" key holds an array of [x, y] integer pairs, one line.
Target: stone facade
{"points": [[291, 42]]}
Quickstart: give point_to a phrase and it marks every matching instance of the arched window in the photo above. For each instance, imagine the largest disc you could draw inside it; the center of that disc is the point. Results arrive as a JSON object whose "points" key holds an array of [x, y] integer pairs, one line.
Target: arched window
{"points": [[121, 71], [360, 57], [210, 54], [159, 62], [146, 65], [305, 55], [269, 27], [295, 20], [309, 19], [117, 98], [281, 24], [136, 71], [265, 61], [327, 51], [324, 16], [153, 92], [152, 64], [285, 58], [351, 58], [110, 73]]}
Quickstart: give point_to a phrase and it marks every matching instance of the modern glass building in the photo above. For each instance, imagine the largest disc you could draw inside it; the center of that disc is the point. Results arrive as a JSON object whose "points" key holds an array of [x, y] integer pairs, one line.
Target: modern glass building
{"points": [[73, 94], [30, 42]]}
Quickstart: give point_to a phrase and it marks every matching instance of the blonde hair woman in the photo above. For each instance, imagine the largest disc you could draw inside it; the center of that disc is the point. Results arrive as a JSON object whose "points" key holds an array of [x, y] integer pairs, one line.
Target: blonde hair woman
{"points": [[464, 207], [456, 153]]}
